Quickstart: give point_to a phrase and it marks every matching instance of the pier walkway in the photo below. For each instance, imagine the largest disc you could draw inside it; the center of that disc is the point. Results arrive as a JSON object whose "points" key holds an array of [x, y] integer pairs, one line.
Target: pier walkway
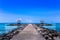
{"points": [[28, 33]]}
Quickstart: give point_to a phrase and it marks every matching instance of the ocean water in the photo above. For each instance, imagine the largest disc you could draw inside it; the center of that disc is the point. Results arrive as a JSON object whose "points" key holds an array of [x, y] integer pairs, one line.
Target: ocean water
{"points": [[55, 27], [58, 27], [50, 27], [4, 29]]}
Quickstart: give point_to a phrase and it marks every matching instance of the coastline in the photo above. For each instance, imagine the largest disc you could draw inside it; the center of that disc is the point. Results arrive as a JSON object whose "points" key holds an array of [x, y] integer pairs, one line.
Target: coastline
{"points": [[12, 33]]}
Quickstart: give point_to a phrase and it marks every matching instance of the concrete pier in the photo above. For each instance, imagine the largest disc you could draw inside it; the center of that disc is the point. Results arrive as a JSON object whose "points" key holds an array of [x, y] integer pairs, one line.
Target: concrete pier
{"points": [[28, 33]]}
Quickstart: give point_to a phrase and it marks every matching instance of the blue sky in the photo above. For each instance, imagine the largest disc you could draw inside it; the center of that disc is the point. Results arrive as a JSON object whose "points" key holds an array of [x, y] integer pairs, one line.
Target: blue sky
{"points": [[30, 10]]}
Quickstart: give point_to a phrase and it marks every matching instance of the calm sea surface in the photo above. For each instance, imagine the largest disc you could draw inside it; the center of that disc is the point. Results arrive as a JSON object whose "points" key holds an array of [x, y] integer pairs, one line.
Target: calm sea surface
{"points": [[6, 29], [55, 27]]}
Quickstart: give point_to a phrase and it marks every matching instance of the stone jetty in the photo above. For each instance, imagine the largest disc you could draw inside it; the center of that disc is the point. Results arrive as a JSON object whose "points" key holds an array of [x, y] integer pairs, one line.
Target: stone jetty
{"points": [[28, 33], [32, 32]]}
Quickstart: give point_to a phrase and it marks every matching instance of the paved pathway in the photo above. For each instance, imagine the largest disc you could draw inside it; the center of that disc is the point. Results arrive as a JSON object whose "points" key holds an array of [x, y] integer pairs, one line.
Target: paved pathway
{"points": [[29, 33]]}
